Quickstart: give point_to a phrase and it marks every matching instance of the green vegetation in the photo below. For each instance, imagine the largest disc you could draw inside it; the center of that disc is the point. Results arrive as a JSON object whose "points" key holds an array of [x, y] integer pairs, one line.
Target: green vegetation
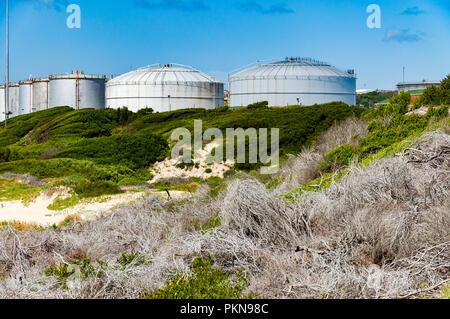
{"points": [[133, 151], [203, 282], [369, 100], [299, 126], [435, 95], [133, 259], [80, 268], [93, 152], [213, 222], [14, 191]]}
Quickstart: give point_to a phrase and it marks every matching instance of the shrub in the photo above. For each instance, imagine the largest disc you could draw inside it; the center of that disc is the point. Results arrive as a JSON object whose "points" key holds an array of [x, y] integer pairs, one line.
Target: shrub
{"points": [[133, 259], [4, 154], [134, 151], [258, 105], [343, 154], [204, 282], [82, 268], [94, 189]]}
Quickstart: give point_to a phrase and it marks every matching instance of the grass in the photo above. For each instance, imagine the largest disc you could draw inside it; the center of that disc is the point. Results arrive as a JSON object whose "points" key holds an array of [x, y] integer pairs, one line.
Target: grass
{"points": [[12, 190], [64, 203]]}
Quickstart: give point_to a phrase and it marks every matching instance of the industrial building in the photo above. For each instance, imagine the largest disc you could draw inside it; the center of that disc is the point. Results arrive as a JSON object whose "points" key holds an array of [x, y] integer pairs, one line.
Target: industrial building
{"points": [[293, 81], [77, 90], [413, 86], [164, 88]]}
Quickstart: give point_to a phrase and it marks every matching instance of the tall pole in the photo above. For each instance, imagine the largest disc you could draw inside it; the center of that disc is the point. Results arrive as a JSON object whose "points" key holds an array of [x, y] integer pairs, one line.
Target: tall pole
{"points": [[7, 64]]}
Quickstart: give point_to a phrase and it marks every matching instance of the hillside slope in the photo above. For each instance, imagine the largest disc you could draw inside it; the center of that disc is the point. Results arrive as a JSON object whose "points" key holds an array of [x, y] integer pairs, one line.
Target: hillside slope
{"points": [[362, 213]]}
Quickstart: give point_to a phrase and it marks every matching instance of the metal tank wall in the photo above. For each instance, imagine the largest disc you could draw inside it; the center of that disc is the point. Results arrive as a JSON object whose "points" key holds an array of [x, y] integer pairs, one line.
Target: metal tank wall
{"points": [[2, 103], [164, 89], [77, 91], [13, 100], [40, 94], [25, 97], [292, 82]]}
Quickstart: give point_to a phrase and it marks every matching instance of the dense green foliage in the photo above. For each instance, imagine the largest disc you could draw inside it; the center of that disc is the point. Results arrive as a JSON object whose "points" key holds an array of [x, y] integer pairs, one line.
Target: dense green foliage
{"points": [[134, 151], [299, 126], [204, 282], [369, 100], [435, 95]]}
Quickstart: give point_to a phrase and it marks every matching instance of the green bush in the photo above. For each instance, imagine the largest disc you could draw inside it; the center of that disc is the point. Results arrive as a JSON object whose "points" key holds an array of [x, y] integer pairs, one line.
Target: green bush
{"points": [[134, 151], [435, 95], [343, 154], [89, 189], [204, 282], [258, 105], [82, 268], [133, 259], [5, 154]]}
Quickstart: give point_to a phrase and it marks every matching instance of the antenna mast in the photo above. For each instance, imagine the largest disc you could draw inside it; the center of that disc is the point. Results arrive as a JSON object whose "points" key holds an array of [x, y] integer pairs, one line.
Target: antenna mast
{"points": [[7, 64]]}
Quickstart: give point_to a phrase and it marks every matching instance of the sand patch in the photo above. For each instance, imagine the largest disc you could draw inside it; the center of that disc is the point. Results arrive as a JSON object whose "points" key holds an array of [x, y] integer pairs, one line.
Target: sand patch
{"points": [[36, 212], [168, 169]]}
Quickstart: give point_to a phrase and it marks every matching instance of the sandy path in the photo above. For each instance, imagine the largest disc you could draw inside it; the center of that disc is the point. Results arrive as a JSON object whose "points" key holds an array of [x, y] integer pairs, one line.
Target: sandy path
{"points": [[38, 213]]}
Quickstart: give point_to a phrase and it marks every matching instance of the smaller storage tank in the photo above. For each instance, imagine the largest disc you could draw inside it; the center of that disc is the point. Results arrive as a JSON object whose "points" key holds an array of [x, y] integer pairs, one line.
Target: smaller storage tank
{"points": [[25, 97], [2, 103], [77, 90], [40, 94], [165, 88], [13, 99]]}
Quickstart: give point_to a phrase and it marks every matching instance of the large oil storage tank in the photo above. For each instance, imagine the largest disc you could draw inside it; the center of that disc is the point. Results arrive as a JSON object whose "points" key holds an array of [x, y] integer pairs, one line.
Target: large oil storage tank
{"points": [[13, 99], [164, 88], [25, 97], [2, 103], [77, 90], [293, 81], [40, 94]]}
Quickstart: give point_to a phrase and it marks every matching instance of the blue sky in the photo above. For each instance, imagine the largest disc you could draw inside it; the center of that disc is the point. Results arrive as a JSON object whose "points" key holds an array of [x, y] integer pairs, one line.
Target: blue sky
{"points": [[218, 37]]}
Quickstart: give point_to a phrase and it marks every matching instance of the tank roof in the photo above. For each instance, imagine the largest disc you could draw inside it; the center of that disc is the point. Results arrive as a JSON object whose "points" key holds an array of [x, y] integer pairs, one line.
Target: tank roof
{"points": [[167, 73], [292, 67], [77, 75]]}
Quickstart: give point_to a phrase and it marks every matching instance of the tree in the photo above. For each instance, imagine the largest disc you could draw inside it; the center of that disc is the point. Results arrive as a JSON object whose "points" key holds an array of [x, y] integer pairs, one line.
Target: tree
{"points": [[432, 95], [445, 90]]}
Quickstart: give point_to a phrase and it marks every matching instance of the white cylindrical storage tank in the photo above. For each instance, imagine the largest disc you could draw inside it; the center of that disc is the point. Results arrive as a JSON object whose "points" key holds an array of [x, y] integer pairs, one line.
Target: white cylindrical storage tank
{"points": [[13, 99], [293, 81], [2, 103], [40, 94], [25, 97], [164, 88], [77, 90]]}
